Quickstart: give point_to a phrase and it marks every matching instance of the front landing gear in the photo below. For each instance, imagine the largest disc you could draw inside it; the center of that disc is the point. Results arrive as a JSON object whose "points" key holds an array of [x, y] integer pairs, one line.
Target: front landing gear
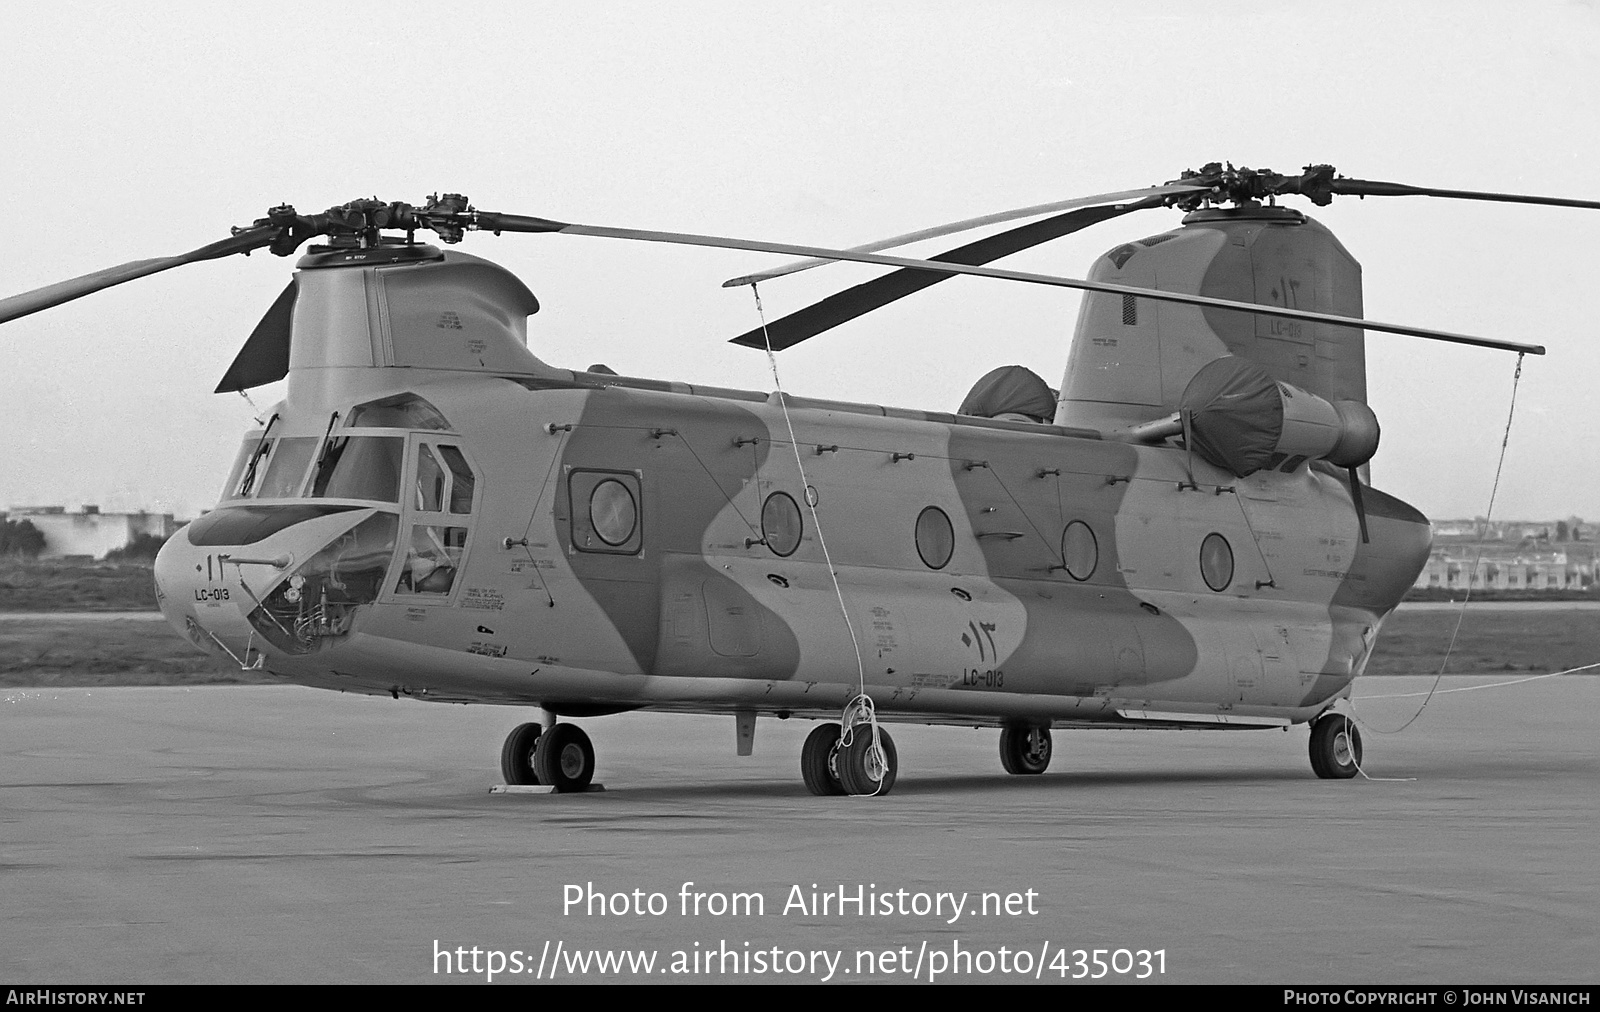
{"points": [[1335, 747], [857, 768], [1025, 749], [564, 759]]}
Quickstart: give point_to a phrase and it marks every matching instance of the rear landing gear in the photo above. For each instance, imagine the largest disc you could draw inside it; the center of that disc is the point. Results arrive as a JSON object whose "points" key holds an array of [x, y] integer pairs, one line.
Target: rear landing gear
{"points": [[516, 755], [1335, 747], [1025, 749], [859, 768], [564, 759]]}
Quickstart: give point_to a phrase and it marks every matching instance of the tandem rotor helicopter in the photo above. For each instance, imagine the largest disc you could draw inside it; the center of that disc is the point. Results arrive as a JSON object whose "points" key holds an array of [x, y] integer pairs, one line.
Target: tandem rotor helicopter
{"points": [[1182, 536]]}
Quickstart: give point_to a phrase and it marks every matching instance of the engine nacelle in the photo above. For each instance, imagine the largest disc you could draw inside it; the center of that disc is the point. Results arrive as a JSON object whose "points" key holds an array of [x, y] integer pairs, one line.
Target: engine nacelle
{"points": [[1240, 418]]}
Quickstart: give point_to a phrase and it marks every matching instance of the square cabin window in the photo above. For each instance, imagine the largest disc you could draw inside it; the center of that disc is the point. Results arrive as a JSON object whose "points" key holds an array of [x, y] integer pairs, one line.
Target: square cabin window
{"points": [[607, 512]]}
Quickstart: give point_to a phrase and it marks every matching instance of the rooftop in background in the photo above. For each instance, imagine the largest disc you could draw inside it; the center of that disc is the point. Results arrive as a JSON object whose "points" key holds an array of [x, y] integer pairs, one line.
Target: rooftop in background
{"points": [[1562, 531]]}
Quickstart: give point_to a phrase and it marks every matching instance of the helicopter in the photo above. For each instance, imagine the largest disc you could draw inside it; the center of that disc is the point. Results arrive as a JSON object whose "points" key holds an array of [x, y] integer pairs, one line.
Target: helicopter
{"points": [[1181, 536]]}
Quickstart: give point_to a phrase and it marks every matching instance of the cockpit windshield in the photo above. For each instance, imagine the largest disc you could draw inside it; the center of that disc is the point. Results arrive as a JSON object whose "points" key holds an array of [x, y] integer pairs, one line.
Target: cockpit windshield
{"points": [[347, 466], [286, 473], [360, 467]]}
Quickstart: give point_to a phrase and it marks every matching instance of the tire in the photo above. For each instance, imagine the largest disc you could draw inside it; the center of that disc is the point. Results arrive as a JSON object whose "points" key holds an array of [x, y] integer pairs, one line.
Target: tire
{"points": [[1335, 747], [516, 755], [565, 759], [857, 771], [1025, 750], [817, 761]]}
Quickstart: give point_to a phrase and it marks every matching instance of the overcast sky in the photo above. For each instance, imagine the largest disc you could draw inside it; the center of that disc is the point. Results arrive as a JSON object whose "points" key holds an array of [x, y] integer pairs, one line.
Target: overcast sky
{"points": [[143, 130]]}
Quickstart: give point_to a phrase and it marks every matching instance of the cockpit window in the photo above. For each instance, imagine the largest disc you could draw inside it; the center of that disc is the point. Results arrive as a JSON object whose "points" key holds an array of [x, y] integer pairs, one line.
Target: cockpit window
{"points": [[246, 468], [444, 480], [402, 411], [360, 467], [432, 560], [286, 474], [461, 480], [430, 481]]}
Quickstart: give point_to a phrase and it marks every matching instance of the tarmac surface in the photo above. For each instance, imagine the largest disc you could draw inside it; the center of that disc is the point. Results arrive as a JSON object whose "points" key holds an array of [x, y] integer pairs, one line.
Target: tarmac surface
{"points": [[152, 615], [280, 834]]}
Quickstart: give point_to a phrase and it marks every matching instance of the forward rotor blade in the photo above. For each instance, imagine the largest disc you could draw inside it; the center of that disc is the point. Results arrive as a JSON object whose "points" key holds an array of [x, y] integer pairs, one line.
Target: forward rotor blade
{"points": [[1120, 197], [65, 291], [510, 223], [1374, 188]]}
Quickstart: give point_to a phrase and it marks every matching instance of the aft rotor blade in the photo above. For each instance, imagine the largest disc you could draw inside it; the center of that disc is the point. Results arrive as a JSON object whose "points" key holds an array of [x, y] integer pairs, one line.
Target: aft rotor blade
{"points": [[510, 223], [65, 291], [1374, 188], [842, 307], [1120, 197]]}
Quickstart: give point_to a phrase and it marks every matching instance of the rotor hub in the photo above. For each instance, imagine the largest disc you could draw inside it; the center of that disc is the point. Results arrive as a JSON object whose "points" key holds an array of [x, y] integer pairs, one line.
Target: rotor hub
{"points": [[1243, 186], [360, 224]]}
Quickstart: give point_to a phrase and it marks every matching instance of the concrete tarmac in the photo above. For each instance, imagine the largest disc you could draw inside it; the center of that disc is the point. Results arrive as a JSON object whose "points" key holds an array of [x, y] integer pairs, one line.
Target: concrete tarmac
{"points": [[278, 834]]}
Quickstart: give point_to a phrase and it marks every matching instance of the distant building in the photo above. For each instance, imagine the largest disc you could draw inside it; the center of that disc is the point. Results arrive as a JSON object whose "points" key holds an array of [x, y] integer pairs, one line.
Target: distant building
{"points": [[90, 532], [1537, 556], [1500, 571]]}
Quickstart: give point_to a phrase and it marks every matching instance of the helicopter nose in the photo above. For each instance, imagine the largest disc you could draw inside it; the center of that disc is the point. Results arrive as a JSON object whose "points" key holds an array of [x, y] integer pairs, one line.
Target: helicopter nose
{"points": [[213, 576]]}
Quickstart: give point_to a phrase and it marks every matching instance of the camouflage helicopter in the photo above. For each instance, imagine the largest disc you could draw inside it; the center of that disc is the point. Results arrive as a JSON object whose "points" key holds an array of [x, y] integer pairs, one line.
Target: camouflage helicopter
{"points": [[1181, 537]]}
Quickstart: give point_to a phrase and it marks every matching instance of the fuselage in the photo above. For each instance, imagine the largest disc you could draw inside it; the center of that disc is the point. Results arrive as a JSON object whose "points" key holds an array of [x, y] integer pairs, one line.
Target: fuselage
{"points": [[607, 543]]}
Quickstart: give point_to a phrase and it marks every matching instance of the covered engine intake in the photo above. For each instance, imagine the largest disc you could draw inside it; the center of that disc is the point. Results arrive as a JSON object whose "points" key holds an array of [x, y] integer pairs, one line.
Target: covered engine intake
{"points": [[1241, 419], [1012, 392]]}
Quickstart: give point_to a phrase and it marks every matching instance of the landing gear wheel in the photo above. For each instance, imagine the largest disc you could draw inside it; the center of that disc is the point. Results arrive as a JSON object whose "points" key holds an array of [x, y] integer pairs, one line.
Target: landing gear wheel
{"points": [[1025, 749], [864, 769], [1335, 747], [818, 757], [564, 759], [516, 755]]}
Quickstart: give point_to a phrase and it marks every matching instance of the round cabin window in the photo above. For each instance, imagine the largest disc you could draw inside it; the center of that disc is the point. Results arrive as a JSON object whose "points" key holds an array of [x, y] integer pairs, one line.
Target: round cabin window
{"points": [[936, 540], [1080, 553], [612, 512], [1216, 562], [781, 525]]}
